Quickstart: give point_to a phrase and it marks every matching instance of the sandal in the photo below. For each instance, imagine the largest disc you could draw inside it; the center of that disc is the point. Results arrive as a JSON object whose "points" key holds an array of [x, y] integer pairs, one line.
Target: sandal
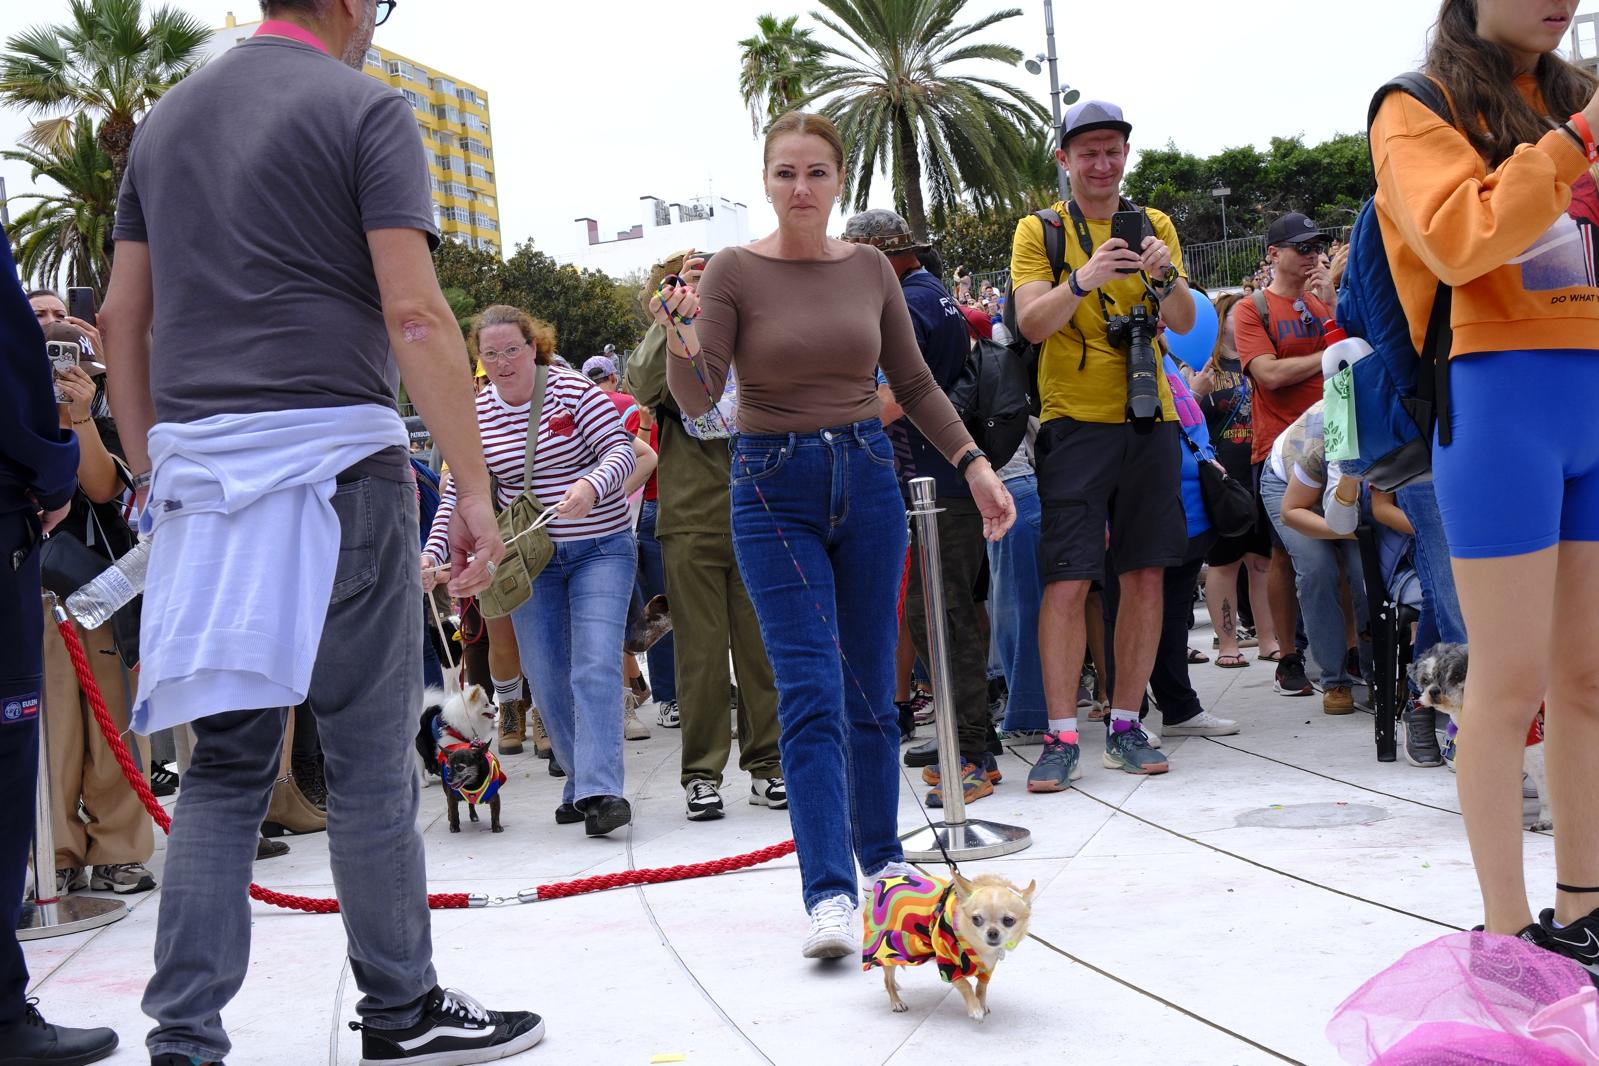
{"points": [[1231, 662], [1195, 656], [1274, 657]]}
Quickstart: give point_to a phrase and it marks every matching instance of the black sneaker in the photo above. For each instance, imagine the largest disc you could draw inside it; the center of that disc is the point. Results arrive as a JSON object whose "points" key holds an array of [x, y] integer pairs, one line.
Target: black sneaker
{"points": [[1578, 941], [32, 1041], [907, 720], [602, 814], [923, 754], [163, 779], [455, 1030], [1421, 736], [1291, 679]]}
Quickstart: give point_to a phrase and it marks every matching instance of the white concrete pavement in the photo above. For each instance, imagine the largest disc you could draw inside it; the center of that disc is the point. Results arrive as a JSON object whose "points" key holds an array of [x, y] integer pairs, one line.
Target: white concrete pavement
{"points": [[1214, 915]]}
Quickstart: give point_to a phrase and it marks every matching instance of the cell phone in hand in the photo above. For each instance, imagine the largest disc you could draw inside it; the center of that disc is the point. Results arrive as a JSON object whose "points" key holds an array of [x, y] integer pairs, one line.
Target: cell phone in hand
{"points": [[1130, 226], [63, 357], [80, 304]]}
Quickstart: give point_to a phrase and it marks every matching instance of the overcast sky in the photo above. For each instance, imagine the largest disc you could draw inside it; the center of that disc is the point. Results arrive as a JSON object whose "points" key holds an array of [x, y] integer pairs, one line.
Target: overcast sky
{"points": [[596, 103]]}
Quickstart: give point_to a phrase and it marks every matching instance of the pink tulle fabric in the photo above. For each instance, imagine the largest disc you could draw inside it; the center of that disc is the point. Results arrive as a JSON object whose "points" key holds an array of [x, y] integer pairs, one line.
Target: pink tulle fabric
{"points": [[1472, 999]]}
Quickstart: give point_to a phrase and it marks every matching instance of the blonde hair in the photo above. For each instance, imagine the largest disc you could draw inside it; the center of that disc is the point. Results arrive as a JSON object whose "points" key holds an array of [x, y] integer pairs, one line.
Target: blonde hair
{"points": [[538, 333], [804, 122]]}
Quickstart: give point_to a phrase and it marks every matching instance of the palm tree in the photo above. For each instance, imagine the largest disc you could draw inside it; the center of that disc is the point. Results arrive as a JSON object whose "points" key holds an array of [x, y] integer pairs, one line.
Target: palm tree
{"points": [[777, 63], [105, 61], [891, 90], [70, 229]]}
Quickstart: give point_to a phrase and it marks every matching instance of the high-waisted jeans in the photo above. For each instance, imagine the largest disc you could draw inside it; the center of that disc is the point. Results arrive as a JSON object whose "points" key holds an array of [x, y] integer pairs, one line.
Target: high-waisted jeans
{"points": [[820, 537]]}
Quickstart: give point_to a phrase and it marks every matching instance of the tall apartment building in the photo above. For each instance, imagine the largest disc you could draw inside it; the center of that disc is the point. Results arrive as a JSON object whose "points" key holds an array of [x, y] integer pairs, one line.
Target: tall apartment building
{"points": [[453, 118]]}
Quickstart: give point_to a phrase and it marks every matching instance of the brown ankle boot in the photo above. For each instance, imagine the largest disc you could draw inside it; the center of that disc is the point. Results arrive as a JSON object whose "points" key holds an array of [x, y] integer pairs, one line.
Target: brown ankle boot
{"points": [[291, 812], [541, 739], [512, 713]]}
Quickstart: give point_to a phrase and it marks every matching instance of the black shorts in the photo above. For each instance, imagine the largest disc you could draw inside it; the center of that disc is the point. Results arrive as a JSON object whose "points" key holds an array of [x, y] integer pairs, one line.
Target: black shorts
{"points": [[1263, 522], [1091, 474]]}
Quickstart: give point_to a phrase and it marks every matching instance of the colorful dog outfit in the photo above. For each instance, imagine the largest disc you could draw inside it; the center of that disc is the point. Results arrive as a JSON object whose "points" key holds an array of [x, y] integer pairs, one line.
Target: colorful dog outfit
{"points": [[446, 740], [911, 920]]}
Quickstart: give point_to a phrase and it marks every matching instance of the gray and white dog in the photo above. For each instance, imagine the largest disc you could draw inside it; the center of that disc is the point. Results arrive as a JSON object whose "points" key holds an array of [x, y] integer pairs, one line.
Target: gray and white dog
{"points": [[1440, 677]]}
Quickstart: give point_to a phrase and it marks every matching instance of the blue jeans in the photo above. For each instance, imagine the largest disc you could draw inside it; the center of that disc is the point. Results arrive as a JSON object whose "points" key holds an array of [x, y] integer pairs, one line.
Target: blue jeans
{"points": [[570, 636], [1015, 592], [652, 583], [820, 537], [1440, 605], [1317, 576], [365, 691]]}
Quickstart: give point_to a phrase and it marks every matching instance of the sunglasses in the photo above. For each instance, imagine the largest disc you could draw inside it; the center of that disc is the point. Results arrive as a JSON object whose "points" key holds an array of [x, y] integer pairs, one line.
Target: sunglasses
{"points": [[385, 9], [1309, 247], [1306, 316]]}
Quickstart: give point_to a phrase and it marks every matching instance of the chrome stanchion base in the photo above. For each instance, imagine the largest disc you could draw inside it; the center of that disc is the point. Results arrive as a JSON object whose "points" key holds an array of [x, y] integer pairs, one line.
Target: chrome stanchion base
{"points": [[970, 840], [73, 914]]}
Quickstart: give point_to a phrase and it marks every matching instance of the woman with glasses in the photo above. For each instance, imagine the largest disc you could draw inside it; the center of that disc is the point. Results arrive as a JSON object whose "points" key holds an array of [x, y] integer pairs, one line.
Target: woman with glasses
{"points": [[1501, 207], [570, 631]]}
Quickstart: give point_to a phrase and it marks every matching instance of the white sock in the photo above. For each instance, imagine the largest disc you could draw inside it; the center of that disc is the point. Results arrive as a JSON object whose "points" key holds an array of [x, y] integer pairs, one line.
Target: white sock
{"points": [[507, 690], [1063, 725], [1123, 716]]}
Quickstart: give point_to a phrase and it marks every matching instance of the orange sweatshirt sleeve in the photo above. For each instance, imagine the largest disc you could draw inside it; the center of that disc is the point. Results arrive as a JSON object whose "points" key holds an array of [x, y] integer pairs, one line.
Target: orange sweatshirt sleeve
{"points": [[1462, 221]]}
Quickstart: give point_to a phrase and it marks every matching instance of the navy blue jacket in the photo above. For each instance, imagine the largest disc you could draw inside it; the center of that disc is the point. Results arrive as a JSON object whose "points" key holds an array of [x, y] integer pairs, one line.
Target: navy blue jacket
{"points": [[946, 341], [38, 459]]}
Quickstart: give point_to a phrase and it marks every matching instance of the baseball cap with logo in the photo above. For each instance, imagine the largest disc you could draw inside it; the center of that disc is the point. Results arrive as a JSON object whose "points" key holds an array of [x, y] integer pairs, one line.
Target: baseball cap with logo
{"points": [[599, 367], [1090, 115], [1293, 228]]}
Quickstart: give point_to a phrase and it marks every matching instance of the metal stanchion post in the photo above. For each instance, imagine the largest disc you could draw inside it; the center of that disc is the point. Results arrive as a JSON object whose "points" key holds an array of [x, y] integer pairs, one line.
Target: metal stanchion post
{"points": [[57, 915], [960, 837]]}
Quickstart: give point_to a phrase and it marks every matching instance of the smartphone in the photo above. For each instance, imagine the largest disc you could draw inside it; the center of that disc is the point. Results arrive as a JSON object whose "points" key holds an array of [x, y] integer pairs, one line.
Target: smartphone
{"points": [[63, 357], [80, 304], [1130, 227]]}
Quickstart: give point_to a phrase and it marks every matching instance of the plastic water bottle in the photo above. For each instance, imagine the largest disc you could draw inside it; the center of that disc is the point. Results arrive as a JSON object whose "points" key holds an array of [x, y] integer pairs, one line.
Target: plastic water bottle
{"points": [[95, 603], [1342, 350]]}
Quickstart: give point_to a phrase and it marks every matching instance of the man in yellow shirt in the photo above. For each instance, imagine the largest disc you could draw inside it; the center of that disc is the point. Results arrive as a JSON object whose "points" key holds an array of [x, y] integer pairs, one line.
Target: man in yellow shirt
{"points": [[1097, 467]]}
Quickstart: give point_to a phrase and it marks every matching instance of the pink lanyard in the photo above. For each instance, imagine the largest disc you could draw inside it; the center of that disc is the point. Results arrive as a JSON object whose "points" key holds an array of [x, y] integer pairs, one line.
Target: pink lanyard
{"points": [[279, 28]]}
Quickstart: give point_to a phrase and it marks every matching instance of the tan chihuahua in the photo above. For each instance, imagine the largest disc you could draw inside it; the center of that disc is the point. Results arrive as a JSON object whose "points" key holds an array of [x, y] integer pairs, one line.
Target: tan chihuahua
{"points": [[966, 926]]}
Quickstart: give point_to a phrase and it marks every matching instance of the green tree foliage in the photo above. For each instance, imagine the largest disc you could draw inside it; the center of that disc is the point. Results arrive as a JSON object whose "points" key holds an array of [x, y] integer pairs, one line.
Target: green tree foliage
{"points": [[66, 231], [977, 241], [586, 307], [106, 61], [893, 80], [777, 65], [1328, 181]]}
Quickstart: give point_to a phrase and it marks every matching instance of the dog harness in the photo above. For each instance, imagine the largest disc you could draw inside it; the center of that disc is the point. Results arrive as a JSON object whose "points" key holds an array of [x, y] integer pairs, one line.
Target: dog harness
{"points": [[489, 788], [911, 920]]}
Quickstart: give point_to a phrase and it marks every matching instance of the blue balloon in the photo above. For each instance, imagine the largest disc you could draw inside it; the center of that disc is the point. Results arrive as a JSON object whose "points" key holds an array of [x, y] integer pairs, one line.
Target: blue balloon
{"points": [[1195, 346]]}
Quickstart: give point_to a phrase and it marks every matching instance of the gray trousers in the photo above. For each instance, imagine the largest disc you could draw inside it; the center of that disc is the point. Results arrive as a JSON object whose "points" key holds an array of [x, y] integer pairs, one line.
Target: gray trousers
{"points": [[365, 691]]}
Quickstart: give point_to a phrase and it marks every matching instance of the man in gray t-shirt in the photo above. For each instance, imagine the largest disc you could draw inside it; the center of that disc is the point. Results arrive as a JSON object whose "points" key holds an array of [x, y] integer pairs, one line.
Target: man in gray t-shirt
{"points": [[274, 234]]}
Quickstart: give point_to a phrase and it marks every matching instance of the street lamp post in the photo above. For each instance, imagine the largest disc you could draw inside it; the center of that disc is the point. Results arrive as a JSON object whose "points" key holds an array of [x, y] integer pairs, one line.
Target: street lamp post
{"points": [[1221, 193], [1057, 96]]}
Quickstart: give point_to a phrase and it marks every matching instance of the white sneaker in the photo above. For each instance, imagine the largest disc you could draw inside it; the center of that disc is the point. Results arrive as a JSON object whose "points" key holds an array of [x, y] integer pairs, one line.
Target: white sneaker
{"points": [[834, 930], [1203, 724], [632, 728], [769, 792], [893, 869], [668, 716], [1151, 730]]}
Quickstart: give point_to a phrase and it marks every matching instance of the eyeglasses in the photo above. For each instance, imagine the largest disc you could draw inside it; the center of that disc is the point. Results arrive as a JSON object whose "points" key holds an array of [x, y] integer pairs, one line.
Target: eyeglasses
{"points": [[385, 9], [1309, 247], [513, 352]]}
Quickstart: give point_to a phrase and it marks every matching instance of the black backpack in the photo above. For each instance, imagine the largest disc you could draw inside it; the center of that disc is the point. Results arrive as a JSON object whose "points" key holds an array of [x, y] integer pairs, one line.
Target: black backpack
{"points": [[998, 389]]}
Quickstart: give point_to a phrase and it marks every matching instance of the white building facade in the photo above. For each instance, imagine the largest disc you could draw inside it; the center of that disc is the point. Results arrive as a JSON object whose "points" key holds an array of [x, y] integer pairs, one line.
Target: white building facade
{"points": [[707, 224]]}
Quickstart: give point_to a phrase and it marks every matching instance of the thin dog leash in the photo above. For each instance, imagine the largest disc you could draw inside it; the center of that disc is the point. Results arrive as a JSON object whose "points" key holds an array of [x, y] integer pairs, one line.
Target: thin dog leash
{"points": [[693, 361]]}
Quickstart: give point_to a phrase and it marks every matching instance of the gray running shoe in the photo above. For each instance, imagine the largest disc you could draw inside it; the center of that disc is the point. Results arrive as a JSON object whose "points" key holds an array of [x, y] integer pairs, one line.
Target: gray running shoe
{"points": [[1421, 737], [1057, 766], [1128, 749], [122, 878]]}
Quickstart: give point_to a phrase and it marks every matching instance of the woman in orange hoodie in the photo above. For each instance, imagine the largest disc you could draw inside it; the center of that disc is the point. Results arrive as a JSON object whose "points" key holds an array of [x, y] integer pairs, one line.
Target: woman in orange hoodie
{"points": [[1501, 207]]}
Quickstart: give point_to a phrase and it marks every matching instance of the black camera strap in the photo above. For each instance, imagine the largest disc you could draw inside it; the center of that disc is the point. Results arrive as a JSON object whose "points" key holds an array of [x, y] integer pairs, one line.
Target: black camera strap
{"points": [[1085, 240]]}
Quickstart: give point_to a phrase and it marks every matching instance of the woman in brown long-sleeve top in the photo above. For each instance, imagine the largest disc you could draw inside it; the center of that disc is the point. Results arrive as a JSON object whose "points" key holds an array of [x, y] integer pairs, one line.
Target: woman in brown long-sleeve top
{"points": [[818, 527]]}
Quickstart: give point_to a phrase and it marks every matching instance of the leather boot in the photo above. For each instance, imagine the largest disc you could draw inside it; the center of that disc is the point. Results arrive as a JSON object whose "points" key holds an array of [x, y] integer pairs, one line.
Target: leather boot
{"points": [[291, 812], [307, 773], [512, 712], [541, 739]]}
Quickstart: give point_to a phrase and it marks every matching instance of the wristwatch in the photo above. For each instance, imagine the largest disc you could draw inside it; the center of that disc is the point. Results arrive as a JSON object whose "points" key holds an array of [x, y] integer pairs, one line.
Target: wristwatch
{"points": [[970, 456]]}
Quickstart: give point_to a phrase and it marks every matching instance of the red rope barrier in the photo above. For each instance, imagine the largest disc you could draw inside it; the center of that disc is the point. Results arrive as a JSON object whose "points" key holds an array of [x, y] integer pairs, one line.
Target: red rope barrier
{"points": [[436, 901]]}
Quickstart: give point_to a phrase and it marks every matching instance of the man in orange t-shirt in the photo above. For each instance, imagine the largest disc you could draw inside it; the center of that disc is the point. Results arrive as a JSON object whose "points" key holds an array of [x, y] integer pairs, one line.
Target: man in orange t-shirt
{"points": [[1280, 338]]}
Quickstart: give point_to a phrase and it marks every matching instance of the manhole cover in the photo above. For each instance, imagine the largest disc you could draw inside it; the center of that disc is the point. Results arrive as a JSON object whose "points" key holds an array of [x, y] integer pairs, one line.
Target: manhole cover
{"points": [[1312, 815]]}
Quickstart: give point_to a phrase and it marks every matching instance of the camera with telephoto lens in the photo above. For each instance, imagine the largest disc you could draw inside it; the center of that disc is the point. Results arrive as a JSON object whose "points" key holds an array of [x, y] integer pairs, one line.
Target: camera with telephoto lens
{"points": [[1134, 332]]}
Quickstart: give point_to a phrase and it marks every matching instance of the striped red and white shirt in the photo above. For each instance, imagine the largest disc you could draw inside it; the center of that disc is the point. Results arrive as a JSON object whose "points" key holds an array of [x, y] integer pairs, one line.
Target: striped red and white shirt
{"points": [[580, 436]]}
